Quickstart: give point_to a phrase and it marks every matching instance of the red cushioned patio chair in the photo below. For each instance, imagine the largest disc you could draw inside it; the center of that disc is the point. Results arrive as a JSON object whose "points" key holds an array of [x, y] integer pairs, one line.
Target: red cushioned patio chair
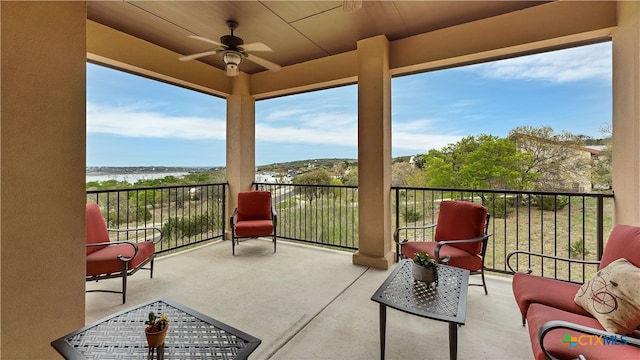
{"points": [[460, 238], [254, 217], [108, 259]]}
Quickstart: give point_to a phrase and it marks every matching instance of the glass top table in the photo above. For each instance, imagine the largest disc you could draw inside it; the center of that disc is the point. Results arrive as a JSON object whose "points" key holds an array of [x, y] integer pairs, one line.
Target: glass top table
{"points": [[445, 301], [191, 335]]}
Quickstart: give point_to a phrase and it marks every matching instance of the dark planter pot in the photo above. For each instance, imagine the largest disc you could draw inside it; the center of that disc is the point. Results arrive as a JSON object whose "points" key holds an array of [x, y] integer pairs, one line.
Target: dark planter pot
{"points": [[425, 274]]}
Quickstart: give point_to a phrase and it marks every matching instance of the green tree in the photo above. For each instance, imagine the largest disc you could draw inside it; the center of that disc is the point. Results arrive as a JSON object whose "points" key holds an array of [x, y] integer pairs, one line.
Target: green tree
{"points": [[350, 176], [483, 162], [314, 177]]}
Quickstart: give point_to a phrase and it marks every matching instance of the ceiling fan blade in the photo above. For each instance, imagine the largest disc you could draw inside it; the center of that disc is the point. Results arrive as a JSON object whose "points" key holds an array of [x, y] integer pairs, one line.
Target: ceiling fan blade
{"points": [[201, 38], [198, 55], [257, 46], [264, 63]]}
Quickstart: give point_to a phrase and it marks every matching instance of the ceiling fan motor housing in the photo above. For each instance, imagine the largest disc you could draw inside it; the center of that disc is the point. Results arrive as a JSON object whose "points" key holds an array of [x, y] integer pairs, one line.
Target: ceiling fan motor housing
{"points": [[231, 41]]}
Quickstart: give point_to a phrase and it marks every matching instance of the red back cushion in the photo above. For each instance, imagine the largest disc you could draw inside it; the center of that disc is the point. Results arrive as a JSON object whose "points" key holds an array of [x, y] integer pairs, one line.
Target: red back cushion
{"points": [[624, 242], [460, 220], [96, 228], [254, 205]]}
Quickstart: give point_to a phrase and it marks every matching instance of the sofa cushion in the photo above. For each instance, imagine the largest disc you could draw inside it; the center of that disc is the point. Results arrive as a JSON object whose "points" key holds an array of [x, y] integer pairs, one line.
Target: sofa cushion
{"points": [[459, 258], [613, 297], [559, 342], [529, 289], [106, 260]]}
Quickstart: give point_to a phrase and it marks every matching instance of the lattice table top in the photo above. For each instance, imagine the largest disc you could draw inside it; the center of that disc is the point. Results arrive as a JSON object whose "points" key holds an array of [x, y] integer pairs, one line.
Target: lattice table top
{"points": [[446, 300], [191, 335]]}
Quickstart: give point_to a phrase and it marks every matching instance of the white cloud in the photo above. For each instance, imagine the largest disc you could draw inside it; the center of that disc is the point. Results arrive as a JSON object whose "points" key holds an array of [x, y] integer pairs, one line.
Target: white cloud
{"points": [[283, 114], [331, 129], [575, 64], [135, 122], [419, 136]]}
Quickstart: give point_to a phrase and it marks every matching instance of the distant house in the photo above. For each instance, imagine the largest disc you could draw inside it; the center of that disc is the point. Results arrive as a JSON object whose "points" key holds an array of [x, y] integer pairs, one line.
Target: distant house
{"points": [[572, 163]]}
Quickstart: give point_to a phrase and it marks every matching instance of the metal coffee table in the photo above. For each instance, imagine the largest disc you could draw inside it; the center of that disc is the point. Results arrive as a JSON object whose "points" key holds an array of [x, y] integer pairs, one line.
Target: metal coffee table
{"points": [[446, 301], [191, 335]]}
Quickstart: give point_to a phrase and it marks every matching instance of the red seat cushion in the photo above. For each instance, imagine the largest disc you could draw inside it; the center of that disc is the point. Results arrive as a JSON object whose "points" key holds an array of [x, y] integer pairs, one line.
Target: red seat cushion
{"points": [[254, 205], [96, 228], [529, 289], [556, 344], [106, 260], [460, 220], [459, 257], [251, 228]]}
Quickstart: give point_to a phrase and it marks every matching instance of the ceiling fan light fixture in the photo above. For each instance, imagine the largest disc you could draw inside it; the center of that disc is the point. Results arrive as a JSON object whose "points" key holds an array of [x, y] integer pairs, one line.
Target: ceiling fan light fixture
{"points": [[232, 59]]}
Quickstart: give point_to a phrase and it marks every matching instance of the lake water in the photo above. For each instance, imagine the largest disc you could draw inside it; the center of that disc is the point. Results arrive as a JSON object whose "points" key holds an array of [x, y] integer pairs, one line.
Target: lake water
{"points": [[132, 178]]}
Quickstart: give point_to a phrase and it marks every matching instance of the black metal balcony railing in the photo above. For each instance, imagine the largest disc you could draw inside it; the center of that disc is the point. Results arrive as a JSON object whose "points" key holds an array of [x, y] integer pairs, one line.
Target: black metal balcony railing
{"points": [[325, 215], [187, 214], [571, 225]]}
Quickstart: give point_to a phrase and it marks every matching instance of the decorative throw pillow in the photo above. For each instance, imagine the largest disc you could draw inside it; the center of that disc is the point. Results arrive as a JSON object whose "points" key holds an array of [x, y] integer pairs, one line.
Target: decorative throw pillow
{"points": [[613, 297]]}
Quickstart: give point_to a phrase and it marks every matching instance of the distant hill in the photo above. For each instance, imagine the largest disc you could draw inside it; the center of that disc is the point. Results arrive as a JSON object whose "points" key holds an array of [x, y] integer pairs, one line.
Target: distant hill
{"points": [[283, 167], [301, 165], [109, 170]]}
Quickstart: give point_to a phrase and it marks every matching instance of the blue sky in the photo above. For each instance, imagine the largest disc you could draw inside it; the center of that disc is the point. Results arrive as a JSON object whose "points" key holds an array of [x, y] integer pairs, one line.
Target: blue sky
{"points": [[134, 121]]}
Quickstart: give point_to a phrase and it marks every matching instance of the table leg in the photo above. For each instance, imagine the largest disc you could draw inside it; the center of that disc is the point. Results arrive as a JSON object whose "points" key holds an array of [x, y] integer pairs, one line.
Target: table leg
{"points": [[383, 329], [453, 341]]}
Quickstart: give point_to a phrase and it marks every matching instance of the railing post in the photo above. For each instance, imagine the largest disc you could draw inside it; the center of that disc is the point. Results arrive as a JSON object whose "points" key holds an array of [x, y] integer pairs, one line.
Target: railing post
{"points": [[600, 226], [224, 210], [397, 190]]}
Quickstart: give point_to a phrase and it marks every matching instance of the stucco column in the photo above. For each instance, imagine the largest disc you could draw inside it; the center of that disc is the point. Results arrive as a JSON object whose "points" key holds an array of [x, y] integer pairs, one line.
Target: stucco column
{"points": [[42, 175], [241, 140], [626, 114], [374, 154]]}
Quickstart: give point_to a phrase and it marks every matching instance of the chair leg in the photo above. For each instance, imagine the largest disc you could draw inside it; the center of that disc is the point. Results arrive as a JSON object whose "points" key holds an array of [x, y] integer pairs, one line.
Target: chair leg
{"points": [[151, 267], [233, 245], [124, 287], [274, 243], [484, 284]]}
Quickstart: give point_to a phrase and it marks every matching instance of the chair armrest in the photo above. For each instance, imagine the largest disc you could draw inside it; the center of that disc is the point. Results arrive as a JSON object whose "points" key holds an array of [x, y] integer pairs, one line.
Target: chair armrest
{"points": [[529, 253], [233, 215], [152, 228], [120, 257], [396, 233], [559, 324], [442, 243]]}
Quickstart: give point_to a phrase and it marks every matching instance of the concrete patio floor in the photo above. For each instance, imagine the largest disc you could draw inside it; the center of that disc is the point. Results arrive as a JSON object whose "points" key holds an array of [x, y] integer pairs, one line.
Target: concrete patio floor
{"points": [[305, 302]]}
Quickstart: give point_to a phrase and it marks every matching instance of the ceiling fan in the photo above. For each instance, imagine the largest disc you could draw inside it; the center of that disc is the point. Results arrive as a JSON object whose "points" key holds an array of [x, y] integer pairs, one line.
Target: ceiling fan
{"points": [[232, 50]]}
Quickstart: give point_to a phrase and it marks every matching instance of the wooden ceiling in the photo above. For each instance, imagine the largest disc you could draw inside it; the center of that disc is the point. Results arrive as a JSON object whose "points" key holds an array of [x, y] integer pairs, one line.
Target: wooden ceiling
{"points": [[297, 31]]}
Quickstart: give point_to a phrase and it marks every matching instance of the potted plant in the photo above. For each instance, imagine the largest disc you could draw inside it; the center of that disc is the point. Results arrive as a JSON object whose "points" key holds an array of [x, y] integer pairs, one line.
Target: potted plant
{"points": [[424, 268], [156, 329]]}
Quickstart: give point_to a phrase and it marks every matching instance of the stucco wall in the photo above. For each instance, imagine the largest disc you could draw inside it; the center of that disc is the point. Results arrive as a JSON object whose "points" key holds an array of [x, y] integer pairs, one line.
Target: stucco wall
{"points": [[42, 158]]}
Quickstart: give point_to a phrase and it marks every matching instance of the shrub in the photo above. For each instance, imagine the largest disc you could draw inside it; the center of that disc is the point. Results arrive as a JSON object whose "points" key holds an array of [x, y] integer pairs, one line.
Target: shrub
{"points": [[575, 249], [135, 213], [175, 228], [411, 214], [550, 202]]}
